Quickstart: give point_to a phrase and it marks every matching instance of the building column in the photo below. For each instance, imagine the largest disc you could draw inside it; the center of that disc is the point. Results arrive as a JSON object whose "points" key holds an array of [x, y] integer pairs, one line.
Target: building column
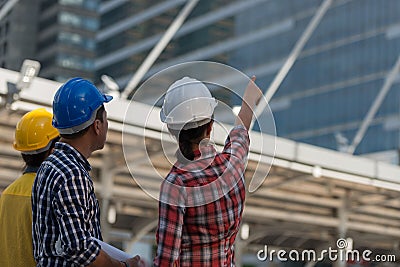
{"points": [[239, 245], [106, 179], [343, 213]]}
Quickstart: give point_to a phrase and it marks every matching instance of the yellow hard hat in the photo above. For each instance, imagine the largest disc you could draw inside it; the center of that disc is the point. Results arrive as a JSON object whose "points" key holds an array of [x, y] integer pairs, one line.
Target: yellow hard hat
{"points": [[34, 132]]}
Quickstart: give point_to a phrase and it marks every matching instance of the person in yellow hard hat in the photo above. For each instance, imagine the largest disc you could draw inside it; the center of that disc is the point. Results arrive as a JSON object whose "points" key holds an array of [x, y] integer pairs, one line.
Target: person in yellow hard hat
{"points": [[34, 138]]}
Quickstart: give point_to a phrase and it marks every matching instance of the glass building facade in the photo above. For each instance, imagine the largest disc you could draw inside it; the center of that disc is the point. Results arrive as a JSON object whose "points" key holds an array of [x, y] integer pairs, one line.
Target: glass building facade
{"points": [[130, 29], [18, 33], [327, 92], [338, 74], [322, 100], [66, 41]]}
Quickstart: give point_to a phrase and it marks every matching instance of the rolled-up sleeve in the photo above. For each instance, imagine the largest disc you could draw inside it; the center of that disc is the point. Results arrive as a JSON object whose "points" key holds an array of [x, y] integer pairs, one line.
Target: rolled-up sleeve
{"points": [[72, 206]]}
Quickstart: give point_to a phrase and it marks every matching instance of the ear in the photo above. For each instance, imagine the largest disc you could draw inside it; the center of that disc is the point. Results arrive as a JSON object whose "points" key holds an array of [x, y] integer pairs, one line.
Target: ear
{"points": [[96, 126], [209, 128], [48, 152]]}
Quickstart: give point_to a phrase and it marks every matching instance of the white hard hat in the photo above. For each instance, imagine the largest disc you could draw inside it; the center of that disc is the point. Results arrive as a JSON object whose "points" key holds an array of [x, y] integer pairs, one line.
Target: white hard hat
{"points": [[188, 104]]}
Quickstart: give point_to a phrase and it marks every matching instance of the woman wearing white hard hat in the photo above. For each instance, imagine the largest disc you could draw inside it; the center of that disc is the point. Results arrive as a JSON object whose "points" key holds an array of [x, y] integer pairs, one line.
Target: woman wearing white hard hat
{"points": [[202, 197]]}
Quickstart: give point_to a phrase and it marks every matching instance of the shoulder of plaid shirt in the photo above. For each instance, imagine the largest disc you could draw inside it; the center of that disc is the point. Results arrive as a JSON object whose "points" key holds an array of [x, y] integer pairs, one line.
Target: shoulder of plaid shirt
{"points": [[65, 210], [171, 229]]}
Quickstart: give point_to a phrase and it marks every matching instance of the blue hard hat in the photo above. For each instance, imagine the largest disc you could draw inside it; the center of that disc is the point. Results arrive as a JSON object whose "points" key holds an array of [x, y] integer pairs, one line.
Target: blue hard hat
{"points": [[75, 105]]}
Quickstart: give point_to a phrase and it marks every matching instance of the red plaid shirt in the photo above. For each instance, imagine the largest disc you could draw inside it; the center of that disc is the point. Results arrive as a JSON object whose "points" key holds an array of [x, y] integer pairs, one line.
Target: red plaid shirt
{"points": [[201, 206]]}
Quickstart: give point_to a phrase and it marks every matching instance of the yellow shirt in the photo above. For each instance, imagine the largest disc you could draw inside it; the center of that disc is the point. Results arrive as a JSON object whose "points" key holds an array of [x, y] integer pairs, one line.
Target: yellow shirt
{"points": [[16, 223]]}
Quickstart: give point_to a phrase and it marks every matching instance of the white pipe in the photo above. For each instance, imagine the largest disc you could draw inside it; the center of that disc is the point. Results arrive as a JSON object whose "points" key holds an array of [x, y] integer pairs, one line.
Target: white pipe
{"points": [[155, 53], [7, 7], [294, 54], [391, 77]]}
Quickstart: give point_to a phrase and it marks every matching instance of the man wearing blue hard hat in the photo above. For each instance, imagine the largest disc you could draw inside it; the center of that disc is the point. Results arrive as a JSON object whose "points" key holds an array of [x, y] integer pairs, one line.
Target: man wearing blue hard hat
{"points": [[65, 210]]}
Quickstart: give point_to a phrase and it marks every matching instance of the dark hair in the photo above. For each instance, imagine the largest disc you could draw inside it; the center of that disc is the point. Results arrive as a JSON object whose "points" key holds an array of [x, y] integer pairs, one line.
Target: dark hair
{"points": [[99, 116], [186, 138], [34, 160]]}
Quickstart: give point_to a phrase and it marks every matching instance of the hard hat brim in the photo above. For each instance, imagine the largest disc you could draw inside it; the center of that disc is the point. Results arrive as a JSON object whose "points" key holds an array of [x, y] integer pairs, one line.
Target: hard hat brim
{"points": [[107, 98], [163, 118]]}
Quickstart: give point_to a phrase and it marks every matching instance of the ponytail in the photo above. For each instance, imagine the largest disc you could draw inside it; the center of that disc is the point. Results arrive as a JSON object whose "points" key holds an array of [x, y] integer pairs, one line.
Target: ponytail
{"points": [[186, 140]]}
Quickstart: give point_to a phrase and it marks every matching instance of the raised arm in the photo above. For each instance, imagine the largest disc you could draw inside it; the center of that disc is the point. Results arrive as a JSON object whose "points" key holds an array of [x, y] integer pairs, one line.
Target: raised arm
{"points": [[251, 97]]}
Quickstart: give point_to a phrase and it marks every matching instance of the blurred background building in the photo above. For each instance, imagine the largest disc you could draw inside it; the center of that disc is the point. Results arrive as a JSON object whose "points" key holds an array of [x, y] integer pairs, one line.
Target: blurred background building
{"points": [[66, 45], [338, 74], [322, 100], [18, 33]]}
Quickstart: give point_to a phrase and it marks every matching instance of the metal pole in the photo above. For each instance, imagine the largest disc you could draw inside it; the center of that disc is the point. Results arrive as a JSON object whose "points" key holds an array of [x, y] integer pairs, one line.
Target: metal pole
{"points": [[343, 215], [155, 53], [239, 247], [390, 78], [106, 178], [294, 54], [7, 7]]}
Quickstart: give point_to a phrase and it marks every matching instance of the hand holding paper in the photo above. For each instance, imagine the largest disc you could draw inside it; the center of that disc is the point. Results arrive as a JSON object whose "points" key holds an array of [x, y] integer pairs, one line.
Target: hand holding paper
{"points": [[118, 254]]}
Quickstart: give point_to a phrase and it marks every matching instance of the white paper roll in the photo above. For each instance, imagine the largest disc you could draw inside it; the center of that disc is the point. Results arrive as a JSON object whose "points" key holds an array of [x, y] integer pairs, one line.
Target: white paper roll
{"points": [[113, 251]]}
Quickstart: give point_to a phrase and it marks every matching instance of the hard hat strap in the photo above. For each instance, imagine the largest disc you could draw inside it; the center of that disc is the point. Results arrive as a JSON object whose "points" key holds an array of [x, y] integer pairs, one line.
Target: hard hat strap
{"points": [[190, 125], [195, 124]]}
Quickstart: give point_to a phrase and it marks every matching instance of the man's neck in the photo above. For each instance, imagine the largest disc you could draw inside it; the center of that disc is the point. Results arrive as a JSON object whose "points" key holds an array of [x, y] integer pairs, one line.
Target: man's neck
{"points": [[79, 144]]}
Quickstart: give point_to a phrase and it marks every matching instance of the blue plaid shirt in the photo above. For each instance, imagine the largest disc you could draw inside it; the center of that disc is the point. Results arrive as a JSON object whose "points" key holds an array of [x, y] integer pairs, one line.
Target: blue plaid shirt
{"points": [[65, 210]]}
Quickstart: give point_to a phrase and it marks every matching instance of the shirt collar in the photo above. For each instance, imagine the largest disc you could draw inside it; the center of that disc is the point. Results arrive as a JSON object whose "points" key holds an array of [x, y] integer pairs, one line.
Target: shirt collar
{"points": [[30, 169], [204, 152], [68, 149], [207, 151]]}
